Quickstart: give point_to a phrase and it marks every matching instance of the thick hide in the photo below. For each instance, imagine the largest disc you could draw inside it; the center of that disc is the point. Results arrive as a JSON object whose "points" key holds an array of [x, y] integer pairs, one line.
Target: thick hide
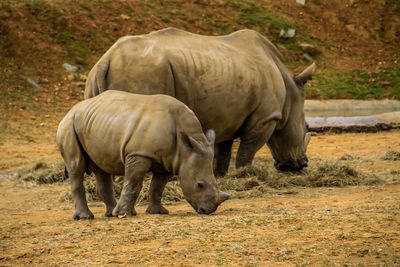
{"points": [[119, 133], [236, 84]]}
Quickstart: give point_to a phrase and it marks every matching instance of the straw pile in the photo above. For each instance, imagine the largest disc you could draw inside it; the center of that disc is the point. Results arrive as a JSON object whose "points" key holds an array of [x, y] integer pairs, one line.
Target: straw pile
{"points": [[246, 182]]}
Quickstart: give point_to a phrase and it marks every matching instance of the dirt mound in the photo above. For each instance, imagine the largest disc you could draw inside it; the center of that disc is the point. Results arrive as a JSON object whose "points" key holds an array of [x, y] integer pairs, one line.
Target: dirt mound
{"points": [[39, 36]]}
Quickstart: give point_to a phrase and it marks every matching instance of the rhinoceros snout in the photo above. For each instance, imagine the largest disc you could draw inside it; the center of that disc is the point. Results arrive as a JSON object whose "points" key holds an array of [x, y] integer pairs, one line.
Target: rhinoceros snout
{"points": [[201, 211], [303, 162], [292, 165]]}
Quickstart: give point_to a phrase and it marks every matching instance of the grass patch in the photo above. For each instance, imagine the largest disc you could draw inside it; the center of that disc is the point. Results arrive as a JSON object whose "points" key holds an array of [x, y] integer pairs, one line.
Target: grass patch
{"points": [[357, 84]]}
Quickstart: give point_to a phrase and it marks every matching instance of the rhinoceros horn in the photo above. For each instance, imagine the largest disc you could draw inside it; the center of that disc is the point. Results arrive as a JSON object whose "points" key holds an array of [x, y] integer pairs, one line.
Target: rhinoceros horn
{"points": [[222, 197], [307, 139]]}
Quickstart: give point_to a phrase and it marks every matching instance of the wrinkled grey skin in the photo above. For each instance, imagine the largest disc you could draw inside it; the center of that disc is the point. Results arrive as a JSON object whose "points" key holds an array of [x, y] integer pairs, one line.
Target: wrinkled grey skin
{"points": [[236, 84], [119, 133]]}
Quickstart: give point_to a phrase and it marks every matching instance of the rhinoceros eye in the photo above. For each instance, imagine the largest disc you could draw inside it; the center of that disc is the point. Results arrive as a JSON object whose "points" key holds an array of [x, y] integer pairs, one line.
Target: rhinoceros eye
{"points": [[200, 185]]}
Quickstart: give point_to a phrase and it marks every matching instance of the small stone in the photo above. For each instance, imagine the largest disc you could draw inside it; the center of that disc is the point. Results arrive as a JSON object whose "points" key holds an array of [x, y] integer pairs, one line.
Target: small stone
{"points": [[350, 27], [309, 49], [44, 80], [303, 2], [33, 83], [124, 17], [290, 33], [70, 67], [282, 47], [308, 57]]}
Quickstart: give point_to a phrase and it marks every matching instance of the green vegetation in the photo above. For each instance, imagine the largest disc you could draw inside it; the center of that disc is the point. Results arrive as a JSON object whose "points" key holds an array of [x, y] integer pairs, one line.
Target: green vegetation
{"points": [[79, 32], [357, 84]]}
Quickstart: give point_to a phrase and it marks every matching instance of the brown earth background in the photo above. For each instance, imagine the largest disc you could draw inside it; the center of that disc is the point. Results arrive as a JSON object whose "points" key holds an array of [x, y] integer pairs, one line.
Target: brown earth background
{"points": [[285, 226]]}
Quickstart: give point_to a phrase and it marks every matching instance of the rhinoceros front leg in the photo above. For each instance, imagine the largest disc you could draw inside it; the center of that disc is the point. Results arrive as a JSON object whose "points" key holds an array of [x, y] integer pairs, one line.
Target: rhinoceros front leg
{"points": [[135, 169], [222, 156], [251, 141], [156, 190], [105, 190], [82, 211]]}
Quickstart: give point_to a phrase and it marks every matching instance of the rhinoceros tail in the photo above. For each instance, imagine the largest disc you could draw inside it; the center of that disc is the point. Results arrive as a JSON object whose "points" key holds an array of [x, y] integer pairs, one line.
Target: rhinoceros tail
{"points": [[96, 82], [100, 82]]}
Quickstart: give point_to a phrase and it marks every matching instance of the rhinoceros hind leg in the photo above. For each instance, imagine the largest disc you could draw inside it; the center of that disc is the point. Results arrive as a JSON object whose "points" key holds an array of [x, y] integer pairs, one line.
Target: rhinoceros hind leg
{"points": [[82, 211], [157, 186], [222, 156], [105, 190], [135, 169]]}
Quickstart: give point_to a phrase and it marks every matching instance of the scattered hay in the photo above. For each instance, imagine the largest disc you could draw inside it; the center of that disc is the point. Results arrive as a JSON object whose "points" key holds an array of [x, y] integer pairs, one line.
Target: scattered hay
{"points": [[172, 192], [348, 157], [392, 155], [65, 197], [333, 173], [246, 172], [246, 182], [262, 177], [41, 173]]}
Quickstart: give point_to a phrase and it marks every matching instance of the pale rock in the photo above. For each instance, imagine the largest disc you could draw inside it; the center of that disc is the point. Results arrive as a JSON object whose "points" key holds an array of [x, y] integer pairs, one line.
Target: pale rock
{"points": [[70, 68], [289, 33], [33, 83]]}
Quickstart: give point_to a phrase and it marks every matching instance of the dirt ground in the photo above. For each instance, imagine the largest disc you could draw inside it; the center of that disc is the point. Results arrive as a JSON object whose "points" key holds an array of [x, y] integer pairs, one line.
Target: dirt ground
{"points": [[351, 226]]}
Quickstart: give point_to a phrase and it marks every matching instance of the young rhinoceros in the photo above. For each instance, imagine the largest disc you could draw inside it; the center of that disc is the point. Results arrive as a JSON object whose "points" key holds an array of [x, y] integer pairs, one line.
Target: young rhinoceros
{"points": [[119, 133]]}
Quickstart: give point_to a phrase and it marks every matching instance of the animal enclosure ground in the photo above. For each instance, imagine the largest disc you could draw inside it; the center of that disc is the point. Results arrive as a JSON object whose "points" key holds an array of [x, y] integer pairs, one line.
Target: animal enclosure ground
{"points": [[353, 226], [349, 226]]}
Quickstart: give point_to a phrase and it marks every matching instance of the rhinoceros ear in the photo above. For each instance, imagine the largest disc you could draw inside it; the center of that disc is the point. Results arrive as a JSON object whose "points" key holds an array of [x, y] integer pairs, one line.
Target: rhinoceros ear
{"points": [[210, 134], [306, 75], [190, 142]]}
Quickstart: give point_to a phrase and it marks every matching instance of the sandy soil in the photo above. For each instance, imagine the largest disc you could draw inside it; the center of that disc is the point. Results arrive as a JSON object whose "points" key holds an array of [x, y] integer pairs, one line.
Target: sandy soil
{"points": [[353, 226]]}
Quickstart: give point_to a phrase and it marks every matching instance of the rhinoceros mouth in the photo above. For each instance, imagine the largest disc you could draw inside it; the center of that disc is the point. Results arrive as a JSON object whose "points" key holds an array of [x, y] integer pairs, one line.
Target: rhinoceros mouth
{"points": [[201, 211], [292, 165], [205, 211]]}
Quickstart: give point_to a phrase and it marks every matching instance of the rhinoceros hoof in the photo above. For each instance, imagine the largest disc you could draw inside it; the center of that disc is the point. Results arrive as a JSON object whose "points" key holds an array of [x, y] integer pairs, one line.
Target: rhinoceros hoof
{"points": [[83, 215], [157, 209], [123, 213], [108, 214]]}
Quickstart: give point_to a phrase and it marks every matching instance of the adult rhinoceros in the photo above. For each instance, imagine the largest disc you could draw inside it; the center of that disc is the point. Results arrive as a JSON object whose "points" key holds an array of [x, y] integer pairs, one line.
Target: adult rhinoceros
{"points": [[236, 84]]}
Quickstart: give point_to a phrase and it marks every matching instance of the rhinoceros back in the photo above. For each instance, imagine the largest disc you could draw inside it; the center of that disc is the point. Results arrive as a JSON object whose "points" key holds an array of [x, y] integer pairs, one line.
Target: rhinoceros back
{"points": [[222, 79], [115, 123]]}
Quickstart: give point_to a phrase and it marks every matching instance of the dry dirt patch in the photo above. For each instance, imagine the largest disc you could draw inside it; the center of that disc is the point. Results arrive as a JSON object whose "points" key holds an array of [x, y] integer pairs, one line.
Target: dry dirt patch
{"points": [[353, 226], [290, 226]]}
